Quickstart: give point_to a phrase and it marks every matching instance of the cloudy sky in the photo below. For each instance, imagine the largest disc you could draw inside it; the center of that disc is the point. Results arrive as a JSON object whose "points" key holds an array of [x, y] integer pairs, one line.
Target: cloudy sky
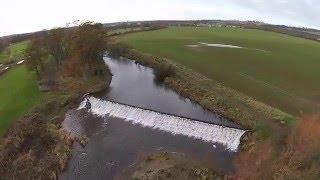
{"points": [[19, 16]]}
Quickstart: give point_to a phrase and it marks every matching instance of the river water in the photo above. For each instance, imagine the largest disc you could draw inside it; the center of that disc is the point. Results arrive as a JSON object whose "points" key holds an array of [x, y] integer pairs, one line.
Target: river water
{"points": [[120, 135]]}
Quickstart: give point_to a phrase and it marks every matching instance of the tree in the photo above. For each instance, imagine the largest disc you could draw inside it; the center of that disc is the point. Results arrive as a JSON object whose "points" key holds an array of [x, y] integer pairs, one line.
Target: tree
{"points": [[57, 45], [87, 44], [37, 53], [117, 49], [75, 51]]}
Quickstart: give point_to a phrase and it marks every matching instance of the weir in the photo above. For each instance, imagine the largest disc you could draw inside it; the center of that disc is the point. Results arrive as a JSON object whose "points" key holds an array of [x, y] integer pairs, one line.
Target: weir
{"points": [[228, 137]]}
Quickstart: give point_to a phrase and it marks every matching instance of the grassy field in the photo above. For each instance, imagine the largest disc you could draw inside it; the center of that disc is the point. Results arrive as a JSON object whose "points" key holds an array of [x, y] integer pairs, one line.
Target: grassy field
{"points": [[3, 57], [18, 88], [277, 69], [18, 93], [14, 51]]}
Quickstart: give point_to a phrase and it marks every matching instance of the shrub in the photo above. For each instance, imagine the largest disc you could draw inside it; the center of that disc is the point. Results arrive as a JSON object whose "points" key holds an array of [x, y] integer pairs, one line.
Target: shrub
{"points": [[34, 147], [262, 129], [3, 45], [163, 71], [117, 50], [9, 61], [296, 158]]}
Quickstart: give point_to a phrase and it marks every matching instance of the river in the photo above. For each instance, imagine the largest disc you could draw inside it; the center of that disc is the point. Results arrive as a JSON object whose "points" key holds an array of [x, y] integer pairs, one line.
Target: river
{"points": [[118, 138]]}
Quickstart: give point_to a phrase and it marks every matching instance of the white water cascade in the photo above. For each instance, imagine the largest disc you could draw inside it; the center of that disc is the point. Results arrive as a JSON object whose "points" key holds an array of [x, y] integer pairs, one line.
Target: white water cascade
{"points": [[229, 137]]}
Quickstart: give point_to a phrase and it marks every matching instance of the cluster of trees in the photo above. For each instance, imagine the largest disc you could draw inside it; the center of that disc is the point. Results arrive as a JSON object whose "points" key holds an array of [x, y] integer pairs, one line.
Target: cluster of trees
{"points": [[76, 51]]}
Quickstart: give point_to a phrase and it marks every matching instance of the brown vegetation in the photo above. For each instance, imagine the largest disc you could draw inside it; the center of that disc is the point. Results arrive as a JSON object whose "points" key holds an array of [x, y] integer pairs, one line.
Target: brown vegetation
{"points": [[297, 156], [115, 50], [2, 46], [61, 56], [171, 166], [35, 147], [70, 61], [87, 46], [37, 54], [163, 71]]}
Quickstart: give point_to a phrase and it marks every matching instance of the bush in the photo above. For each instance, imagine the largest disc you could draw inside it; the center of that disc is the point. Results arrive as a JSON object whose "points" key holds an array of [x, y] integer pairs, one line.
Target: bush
{"points": [[3, 45], [262, 129], [117, 50], [35, 147], [296, 158], [163, 71], [9, 61]]}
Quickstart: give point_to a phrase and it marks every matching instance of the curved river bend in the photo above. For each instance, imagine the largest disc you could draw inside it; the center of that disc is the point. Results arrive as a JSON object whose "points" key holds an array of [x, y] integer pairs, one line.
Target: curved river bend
{"points": [[125, 124]]}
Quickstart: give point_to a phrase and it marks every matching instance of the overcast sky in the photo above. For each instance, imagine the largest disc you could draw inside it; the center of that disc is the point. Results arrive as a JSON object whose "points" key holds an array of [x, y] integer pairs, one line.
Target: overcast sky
{"points": [[19, 16]]}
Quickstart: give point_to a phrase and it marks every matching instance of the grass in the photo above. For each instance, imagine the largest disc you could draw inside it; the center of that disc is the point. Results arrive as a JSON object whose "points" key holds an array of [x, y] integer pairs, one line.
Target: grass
{"points": [[277, 69], [18, 93], [14, 51], [3, 57]]}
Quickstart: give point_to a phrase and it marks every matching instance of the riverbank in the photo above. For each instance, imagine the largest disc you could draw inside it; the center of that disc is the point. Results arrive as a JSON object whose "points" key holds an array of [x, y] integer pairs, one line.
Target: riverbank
{"points": [[107, 126], [263, 120], [35, 147], [168, 165], [211, 95]]}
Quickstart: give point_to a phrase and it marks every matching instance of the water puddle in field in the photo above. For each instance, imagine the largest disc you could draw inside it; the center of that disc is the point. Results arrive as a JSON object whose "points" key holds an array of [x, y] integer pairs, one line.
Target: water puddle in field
{"points": [[203, 44], [219, 45], [192, 46], [136, 117]]}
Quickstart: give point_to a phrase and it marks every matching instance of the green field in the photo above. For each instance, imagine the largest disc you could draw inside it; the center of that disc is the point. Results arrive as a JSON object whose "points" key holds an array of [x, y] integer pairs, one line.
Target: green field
{"points": [[18, 87], [18, 93], [277, 69], [3, 57], [14, 51]]}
